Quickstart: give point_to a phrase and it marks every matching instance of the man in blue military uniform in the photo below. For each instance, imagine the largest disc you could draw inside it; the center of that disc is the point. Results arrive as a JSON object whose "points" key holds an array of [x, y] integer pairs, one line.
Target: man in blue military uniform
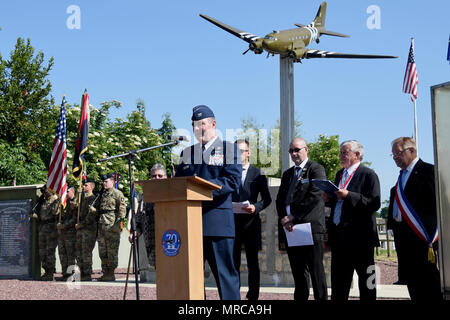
{"points": [[218, 162]]}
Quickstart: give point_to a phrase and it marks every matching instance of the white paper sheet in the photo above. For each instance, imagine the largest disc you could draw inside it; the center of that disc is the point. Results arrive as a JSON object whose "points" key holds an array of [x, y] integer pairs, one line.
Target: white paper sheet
{"points": [[238, 207], [300, 236]]}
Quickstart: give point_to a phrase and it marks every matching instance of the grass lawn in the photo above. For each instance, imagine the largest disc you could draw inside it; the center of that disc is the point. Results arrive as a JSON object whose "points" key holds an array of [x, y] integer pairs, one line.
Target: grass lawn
{"points": [[382, 256]]}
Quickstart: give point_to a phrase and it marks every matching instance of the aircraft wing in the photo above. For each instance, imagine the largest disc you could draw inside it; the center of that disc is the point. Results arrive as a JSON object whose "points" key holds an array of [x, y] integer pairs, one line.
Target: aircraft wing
{"points": [[313, 53], [327, 32], [247, 37]]}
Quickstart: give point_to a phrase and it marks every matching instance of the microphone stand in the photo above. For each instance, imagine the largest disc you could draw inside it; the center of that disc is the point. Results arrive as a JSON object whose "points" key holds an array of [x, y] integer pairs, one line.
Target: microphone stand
{"points": [[131, 156]]}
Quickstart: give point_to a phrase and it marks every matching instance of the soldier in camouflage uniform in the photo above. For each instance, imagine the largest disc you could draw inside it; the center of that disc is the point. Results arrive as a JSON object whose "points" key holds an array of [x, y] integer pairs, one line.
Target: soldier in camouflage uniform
{"points": [[86, 231], [111, 210], [66, 234], [48, 235]]}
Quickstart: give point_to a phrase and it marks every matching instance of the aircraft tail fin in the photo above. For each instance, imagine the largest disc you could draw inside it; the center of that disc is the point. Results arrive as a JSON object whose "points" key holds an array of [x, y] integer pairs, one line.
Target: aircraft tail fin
{"points": [[319, 20]]}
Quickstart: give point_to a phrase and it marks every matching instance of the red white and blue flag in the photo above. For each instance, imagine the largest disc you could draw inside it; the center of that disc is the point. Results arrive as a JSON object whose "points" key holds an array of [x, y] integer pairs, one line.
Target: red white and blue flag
{"points": [[57, 171], [411, 79], [81, 144], [413, 220]]}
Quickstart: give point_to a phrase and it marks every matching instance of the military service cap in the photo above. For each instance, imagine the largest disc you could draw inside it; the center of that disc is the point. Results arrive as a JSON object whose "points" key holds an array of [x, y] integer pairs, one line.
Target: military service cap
{"points": [[201, 112]]}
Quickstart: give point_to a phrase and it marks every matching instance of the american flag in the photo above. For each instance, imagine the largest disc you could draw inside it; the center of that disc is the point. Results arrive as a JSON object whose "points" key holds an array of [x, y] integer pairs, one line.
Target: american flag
{"points": [[57, 171], [411, 79]]}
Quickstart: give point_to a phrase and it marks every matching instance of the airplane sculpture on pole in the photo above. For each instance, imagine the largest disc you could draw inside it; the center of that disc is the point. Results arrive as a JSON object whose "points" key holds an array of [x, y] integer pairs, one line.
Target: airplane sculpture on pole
{"points": [[293, 43]]}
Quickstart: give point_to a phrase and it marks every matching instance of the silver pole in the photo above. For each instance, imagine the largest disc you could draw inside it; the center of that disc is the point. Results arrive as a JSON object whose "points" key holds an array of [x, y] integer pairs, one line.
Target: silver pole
{"points": [[416, 137], [286, 110]]}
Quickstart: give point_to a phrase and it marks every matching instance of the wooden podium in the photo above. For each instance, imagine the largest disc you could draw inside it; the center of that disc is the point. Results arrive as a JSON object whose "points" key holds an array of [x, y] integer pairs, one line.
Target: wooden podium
{"points": [[179, 235]]}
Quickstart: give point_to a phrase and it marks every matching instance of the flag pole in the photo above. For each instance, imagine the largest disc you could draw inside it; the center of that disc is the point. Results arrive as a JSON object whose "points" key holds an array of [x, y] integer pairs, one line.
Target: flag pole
{"points": [[415, 112], [415, 128], [79, 197]]}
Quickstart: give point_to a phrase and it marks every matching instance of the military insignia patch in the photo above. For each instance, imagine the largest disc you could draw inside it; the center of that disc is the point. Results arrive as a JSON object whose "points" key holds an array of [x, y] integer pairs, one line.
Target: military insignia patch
{"points": [[171, 243], [216, 160]]}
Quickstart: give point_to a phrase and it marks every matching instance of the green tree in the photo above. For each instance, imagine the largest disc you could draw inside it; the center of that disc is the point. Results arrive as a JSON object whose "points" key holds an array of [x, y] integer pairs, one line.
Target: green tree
{"points": [[326, 152], [384, 210], [26, 114], [112, 137]]}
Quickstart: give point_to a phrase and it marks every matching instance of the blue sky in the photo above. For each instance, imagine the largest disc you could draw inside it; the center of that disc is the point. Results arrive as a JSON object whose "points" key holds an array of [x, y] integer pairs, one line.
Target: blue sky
{"points": [[163, 53]]}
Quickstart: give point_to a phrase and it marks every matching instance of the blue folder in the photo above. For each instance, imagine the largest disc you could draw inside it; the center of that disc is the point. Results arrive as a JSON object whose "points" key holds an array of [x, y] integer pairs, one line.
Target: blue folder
{"points": [[325, 185]]}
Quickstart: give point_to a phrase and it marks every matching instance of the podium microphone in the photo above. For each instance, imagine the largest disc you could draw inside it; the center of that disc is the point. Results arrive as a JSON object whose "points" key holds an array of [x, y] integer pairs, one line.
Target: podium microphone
{"points": [[179, 138]]}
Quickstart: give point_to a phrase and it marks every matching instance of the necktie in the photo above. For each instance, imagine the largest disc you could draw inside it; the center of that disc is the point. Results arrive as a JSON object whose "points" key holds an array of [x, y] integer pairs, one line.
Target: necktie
{"points": [[203, 154], [403, 174], [338, 208], [244, 175], [297, 171]]}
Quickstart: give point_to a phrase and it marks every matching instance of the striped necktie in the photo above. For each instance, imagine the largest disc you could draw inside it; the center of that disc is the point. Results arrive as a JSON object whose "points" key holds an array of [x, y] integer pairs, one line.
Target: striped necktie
{"points": [[338, 207], [297, 171]]}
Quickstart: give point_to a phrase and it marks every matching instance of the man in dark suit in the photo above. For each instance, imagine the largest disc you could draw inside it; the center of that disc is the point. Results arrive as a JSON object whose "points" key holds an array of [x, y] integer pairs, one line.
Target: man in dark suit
{"points": [[247, 220], [300, 201], [413, 199], [218, 162], [352, 228]]}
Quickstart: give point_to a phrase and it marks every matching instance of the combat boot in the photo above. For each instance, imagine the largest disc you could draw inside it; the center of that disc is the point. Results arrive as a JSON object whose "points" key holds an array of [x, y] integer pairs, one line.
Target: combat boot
{"points": [[48, 275], [64, 277], [108, 275]]}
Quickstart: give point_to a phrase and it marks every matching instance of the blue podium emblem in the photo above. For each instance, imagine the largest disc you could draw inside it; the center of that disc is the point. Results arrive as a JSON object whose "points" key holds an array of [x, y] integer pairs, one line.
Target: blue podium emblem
{"points": [[171, 243]]}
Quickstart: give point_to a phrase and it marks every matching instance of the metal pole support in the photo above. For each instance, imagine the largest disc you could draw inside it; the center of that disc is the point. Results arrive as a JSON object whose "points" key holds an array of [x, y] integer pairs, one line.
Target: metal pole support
{"points": [[286, 109]]}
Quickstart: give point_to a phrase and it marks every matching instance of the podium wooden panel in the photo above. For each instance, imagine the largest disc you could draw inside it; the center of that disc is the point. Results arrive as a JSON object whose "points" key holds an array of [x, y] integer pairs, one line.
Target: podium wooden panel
{"points": [[178, 206]]}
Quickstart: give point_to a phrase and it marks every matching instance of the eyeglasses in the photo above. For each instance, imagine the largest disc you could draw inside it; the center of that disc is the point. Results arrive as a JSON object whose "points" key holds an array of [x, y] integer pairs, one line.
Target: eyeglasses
{"points": [[153, 176], [244, 150], [296, 149], [398, 154]]}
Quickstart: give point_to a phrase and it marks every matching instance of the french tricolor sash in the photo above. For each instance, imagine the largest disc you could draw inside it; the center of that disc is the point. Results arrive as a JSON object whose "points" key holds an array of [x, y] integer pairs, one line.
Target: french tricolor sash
{"points": [[413, 219]]}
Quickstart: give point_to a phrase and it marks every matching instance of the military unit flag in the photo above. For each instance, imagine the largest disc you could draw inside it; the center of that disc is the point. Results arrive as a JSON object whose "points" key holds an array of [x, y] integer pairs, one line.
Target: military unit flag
{"points": [[411, 79], [57, 171], [81, 144]]}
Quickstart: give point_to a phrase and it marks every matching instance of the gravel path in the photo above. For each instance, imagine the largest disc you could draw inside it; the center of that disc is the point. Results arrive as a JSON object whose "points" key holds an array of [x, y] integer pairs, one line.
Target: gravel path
{"points": [[39, 290]]}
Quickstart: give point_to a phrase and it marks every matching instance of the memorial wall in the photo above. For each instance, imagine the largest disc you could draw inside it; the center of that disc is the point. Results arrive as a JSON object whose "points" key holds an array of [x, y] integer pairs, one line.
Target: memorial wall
{"points": [[15, 239]]}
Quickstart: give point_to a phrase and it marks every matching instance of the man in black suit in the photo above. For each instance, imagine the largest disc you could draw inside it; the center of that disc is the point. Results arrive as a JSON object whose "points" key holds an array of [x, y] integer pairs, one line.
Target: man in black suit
{"points": [[247, 220], [352, 229], [300, 201], [413, 199]]}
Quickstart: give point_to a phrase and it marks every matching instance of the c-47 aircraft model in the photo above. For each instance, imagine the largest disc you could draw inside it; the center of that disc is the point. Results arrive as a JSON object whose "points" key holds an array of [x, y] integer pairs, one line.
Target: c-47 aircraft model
{"points": [[293, 43]]}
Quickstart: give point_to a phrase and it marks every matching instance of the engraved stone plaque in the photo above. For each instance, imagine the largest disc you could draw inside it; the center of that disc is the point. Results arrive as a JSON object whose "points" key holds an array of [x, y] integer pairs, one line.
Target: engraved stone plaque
{"points": [[15, 239]]}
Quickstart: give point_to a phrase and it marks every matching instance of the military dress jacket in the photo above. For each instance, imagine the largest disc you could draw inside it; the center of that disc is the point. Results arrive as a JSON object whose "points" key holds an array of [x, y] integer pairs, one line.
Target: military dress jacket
{"points": [[219, 164]]}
